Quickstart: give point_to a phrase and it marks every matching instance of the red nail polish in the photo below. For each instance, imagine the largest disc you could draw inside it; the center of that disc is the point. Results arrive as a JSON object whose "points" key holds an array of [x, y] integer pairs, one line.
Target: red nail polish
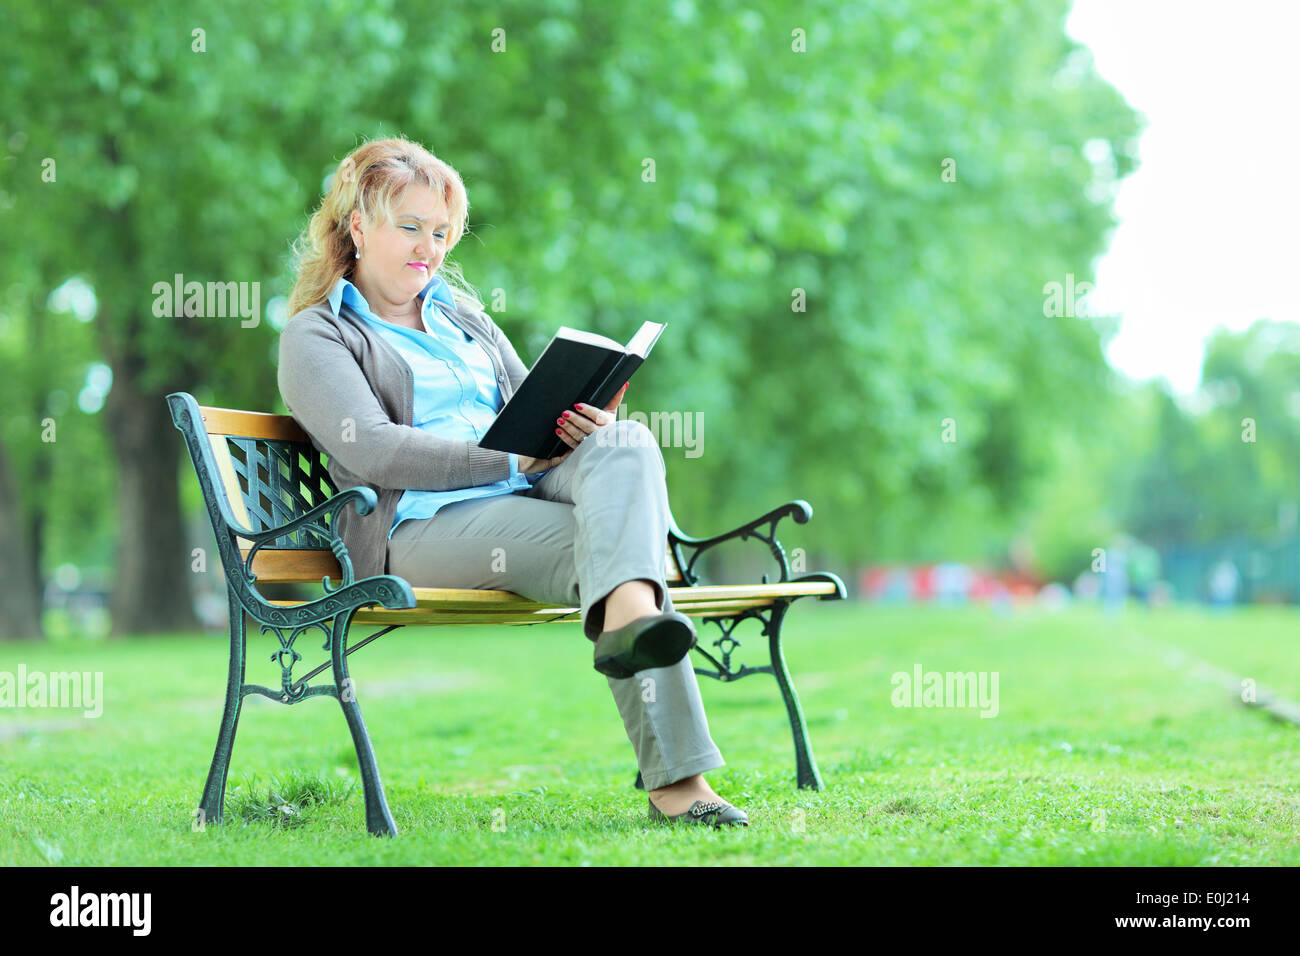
{"points": [[626, 384], [566, 415], [558, 432]]}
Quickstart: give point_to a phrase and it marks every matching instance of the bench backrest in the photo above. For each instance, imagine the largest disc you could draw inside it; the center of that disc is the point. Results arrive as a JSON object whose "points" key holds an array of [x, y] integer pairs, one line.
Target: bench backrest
{"points": [[267, 472]]}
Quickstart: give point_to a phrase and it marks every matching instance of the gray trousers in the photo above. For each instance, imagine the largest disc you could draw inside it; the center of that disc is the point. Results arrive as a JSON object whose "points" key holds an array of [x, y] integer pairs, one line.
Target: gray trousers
{"points": [[595, 521]]}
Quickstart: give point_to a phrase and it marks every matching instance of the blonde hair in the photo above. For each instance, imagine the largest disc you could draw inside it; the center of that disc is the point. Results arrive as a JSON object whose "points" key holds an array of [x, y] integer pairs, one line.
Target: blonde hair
{"points": [[368, 179]]}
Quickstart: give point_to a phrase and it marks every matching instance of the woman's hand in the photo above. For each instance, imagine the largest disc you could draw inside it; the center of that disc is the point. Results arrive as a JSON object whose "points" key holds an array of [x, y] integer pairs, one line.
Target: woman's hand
{"points": [[530, 466], [573, 427]]}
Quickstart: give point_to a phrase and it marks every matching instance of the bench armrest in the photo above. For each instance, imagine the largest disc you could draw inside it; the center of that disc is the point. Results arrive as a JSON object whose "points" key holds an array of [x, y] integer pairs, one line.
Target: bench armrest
{"points": [[799, 510], [364, 500]]}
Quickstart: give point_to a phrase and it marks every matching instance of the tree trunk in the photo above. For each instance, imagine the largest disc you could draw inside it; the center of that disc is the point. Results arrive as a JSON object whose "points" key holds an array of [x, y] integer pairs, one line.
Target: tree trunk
{"points": [[20, 598], [151, 592], [42, 467]]}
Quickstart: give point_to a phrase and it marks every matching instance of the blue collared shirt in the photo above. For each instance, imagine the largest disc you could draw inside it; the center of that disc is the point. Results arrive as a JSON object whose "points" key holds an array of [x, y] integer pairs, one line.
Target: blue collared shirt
{"points": [[456, 391]]}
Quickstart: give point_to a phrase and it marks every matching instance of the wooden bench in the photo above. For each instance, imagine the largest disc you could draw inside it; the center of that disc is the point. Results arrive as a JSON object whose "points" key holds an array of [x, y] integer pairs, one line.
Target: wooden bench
{"points": [[272, 505]]}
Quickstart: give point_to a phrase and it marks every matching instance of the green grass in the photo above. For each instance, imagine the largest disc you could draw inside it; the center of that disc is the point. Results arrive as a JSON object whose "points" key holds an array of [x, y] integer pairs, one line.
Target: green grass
{"points": [[502, 746]]}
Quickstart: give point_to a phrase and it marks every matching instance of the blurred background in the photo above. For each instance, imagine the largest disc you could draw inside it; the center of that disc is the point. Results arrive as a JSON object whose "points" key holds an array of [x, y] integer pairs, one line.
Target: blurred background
{"points": [[1003, 290]]}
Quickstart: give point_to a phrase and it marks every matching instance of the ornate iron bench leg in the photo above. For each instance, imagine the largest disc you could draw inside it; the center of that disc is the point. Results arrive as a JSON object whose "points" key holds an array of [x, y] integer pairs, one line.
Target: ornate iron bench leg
{"points": [[379, 821], [214, 790], [805, 764]]}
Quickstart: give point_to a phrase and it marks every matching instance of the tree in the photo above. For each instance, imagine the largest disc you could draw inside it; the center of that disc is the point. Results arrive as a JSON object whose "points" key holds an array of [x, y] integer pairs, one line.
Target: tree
{"points": [[176, 153], [1226, 464], [707, 165]]}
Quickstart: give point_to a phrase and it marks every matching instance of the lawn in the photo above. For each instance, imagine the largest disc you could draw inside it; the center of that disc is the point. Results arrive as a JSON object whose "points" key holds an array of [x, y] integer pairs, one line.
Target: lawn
{"points": [[503, 746]]}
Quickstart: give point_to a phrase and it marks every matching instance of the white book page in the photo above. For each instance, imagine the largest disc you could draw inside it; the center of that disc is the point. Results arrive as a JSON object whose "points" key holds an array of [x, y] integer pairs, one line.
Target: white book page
{"points": [[645, 338], [591, 338]]}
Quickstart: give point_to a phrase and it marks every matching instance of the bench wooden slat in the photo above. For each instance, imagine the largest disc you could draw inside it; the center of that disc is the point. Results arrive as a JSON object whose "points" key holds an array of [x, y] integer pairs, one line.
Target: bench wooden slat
{"points": [[384, 618], [437, 599], [456, 606], [433, 597], [241, 424], [308, 566], [292, 566]]}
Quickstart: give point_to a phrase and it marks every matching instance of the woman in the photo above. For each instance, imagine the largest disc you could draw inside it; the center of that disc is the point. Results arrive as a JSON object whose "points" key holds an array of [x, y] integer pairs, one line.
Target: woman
{"points": [[393, 368]]}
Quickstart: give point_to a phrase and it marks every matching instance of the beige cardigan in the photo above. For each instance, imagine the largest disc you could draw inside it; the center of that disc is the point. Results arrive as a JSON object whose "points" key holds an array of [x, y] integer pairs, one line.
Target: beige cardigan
{"points": [[341, 380]]}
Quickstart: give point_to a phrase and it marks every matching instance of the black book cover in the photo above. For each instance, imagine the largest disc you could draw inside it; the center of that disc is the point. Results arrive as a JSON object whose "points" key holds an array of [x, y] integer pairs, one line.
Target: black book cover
{"points": [[575, 366]]}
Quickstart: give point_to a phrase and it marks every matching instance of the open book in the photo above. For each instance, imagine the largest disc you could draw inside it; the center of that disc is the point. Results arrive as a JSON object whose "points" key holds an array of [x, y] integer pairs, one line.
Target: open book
{"points": [[575, 366]]}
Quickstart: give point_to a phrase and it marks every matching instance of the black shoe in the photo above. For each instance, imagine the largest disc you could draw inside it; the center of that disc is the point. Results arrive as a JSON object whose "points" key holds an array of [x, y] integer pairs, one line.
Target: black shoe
{"points": [[656, 640], [713, 813]]}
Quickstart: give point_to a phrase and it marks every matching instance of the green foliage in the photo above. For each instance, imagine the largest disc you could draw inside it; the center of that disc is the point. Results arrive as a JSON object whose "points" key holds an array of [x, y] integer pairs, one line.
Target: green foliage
{"points": [[820, 171], [774, 171], [1226, 464], [1209, 468]]}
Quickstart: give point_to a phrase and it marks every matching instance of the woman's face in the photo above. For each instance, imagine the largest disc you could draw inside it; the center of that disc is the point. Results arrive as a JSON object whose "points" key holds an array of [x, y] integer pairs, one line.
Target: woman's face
{"points": [[399, 258]]}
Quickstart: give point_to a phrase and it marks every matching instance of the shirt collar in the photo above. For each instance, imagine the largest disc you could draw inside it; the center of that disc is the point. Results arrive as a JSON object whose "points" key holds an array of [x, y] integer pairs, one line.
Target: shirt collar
{"points": [[346, 292]]}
